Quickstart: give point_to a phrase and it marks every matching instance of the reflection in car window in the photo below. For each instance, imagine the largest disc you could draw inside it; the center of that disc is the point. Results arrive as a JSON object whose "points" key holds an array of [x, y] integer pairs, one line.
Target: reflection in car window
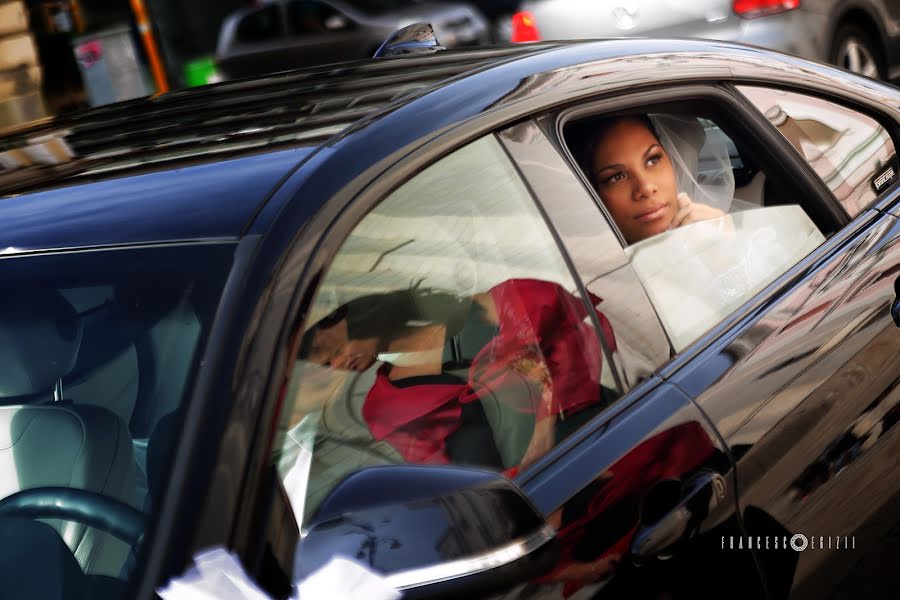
{"points": [[703, 234], [260, 26], [99, 349], [447, 330], [851, 152]]}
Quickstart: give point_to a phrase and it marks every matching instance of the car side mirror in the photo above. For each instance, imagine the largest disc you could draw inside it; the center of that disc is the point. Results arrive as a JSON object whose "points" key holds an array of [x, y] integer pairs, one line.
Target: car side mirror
{"points": [[337, 23], [431, 530]]}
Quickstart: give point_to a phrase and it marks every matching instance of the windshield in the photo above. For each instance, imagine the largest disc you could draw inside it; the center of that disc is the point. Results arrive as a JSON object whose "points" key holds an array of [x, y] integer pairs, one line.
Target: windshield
{"points": [[98, 352]]}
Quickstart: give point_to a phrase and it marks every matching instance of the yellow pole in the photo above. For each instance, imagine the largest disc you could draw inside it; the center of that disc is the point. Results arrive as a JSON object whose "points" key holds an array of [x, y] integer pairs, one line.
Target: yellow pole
{"points": [[146, 31]]}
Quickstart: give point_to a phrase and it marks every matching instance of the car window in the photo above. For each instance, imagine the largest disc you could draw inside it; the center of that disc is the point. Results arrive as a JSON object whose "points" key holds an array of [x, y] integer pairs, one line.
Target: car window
{"points": [[448, 329], [852, 153], [98, 351], [313, 17], [260, 25], [704, 227]]}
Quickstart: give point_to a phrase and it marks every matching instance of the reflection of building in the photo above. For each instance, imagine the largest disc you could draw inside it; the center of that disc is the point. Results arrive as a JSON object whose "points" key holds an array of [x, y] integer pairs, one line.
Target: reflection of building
{"points": [[474, 526], [845, 148], [20, 71]]}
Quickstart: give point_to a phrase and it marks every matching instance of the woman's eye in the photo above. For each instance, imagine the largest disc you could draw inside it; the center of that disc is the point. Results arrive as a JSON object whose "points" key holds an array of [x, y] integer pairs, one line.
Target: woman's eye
{"points": [[614, 178], [654, 159]]}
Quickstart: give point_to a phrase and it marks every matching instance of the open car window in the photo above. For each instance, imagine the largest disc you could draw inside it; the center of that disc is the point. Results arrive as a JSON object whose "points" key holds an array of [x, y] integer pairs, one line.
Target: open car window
{"points": [[705, 224]]}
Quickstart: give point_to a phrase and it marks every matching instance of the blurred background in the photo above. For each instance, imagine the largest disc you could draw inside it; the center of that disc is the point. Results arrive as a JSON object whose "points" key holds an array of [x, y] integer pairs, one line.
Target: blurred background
{"points": [[60, 56]]}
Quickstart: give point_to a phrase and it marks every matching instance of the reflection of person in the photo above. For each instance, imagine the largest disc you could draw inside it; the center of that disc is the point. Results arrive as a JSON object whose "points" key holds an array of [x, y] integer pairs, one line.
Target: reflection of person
{"points": [[635, 177], [539, 336], [596, 527]]}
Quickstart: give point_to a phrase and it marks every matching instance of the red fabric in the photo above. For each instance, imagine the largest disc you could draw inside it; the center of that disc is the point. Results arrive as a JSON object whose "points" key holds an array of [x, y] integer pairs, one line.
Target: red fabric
{"points": [[540, 323], [415, 420]]}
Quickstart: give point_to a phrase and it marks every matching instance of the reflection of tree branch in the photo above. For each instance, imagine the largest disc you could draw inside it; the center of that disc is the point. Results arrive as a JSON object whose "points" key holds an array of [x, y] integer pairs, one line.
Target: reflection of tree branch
{"points": [[388, 251]]}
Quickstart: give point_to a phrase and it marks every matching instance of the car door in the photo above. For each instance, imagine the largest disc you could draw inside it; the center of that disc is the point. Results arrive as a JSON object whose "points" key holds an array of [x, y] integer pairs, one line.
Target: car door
{"points": [[802, 381], [805, 392], [627, 471]]}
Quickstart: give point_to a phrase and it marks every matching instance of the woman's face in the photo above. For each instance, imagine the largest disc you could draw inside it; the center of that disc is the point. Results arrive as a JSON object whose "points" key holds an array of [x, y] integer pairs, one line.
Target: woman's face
{"points": [[332, 347], [635, 180]]}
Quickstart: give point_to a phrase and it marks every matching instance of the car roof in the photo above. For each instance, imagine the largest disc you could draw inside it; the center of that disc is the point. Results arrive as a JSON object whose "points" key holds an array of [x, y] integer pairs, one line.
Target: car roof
{"points": [[197, 163], [202, 163]]}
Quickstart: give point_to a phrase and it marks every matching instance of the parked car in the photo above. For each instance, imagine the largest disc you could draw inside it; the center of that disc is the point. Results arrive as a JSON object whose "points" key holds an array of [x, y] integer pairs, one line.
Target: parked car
{"points": [[384, 304], [287, 34], [862, 36]]}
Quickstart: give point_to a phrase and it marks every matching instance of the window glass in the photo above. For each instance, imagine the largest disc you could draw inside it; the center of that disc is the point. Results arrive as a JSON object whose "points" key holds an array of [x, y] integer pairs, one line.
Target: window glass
{"points": [[260, 26], [98, 351], [596, 254], [704, 228], [448, 329], [851, 152]]}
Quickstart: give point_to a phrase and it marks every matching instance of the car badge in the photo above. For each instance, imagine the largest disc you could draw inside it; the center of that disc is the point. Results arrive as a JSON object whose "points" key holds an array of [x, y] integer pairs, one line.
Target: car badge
{"points": [[623, 17], [884, 179]]}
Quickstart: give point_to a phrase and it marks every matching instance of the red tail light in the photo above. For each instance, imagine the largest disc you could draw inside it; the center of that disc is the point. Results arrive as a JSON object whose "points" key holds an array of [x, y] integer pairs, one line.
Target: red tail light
{"points": [[524, 29], [751, 9]]}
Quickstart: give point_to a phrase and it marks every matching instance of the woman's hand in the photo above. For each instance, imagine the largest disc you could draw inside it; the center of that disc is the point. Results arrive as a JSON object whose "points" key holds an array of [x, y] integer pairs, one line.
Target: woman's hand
{"points": [[693, 212]]}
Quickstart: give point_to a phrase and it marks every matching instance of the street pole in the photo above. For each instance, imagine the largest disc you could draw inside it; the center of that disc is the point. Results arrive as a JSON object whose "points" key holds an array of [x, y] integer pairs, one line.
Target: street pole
{"points": [[146, 31]]}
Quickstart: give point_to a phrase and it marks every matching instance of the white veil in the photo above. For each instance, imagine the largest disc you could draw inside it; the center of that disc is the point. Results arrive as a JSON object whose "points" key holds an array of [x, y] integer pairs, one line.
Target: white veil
{"points": [[697, 275], [700, 157]]}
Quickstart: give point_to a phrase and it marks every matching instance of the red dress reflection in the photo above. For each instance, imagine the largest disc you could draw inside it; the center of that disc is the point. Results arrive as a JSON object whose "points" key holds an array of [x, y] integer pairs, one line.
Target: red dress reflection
{"points": [[543, 335], [599, 531]]}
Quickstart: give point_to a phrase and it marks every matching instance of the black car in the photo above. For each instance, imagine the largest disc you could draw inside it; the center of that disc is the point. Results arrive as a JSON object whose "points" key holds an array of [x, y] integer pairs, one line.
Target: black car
{"points": [[381, 311]]}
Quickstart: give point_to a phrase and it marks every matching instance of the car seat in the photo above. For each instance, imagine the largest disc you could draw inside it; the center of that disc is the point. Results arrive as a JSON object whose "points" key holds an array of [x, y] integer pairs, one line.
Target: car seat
{"points": [[59, 443]]}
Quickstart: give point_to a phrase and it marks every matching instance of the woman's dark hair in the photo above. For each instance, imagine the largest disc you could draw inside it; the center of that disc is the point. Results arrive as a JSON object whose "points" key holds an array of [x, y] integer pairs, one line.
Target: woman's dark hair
{"points": [[584, 136], [388, 316]]}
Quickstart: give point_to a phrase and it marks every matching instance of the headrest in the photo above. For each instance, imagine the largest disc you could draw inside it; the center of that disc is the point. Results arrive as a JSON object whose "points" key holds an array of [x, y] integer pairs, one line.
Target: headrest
{"points": [[40, 333]]}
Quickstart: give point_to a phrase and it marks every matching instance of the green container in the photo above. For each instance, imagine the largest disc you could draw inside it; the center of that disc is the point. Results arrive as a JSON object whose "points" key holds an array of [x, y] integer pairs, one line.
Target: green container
{"points": [[199, 71]]}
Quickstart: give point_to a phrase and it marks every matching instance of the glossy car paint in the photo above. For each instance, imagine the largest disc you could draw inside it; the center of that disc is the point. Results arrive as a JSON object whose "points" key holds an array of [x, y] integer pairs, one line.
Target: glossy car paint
{"points": [[807, 397], [185, 204], [221, 490]]}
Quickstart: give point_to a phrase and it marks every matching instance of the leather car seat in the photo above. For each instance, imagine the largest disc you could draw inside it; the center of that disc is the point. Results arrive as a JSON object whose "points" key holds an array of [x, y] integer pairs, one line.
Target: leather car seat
{"points": [[60, 443]]}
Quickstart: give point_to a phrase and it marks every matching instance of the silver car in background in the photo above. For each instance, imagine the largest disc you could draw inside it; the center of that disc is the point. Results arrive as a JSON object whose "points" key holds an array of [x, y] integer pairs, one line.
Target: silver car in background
{"points": [[860, 35], [278, 35]]}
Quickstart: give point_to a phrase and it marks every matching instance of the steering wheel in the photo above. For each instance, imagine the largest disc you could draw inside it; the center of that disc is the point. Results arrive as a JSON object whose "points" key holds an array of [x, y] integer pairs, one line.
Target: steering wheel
{"points": [[71, 504]]}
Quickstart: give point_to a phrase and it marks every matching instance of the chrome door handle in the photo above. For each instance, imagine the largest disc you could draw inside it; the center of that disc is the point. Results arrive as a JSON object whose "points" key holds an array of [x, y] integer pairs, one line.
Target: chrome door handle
{"points": [[700, 496]]}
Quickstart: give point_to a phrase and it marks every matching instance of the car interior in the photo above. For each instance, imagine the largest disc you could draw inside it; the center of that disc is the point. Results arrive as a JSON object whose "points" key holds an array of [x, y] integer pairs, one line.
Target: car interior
{"points": [[97, 364]]}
